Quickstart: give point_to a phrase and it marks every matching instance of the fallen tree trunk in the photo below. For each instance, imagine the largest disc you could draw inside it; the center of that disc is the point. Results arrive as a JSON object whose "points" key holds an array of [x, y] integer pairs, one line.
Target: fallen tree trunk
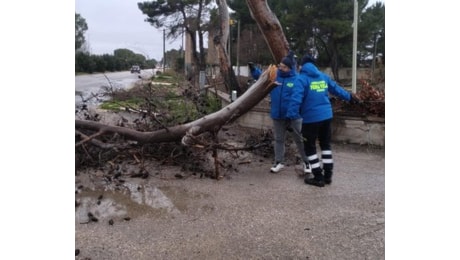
{"points": [[270, 27], [209, 123]]}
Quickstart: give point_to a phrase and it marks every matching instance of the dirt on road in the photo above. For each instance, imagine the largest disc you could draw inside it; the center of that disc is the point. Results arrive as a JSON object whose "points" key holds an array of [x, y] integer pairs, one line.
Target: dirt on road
{"points": [[248, 214]]}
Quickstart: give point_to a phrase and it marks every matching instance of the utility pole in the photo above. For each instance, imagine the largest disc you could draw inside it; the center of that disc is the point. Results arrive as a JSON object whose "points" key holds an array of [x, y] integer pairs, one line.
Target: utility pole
{"points": [[164, 51], [230, 41], [183, 49], [355, 46], [238, 49], [374, 57]]}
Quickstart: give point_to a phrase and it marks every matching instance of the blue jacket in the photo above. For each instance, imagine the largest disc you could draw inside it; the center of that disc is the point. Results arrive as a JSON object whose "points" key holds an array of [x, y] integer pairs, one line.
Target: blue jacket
{"points": [[281, 96], [313, 98], [255, 73]]}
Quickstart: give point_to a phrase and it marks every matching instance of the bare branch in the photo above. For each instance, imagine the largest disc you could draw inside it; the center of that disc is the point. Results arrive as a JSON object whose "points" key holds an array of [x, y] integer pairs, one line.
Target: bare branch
{"points": [[89, 138]]}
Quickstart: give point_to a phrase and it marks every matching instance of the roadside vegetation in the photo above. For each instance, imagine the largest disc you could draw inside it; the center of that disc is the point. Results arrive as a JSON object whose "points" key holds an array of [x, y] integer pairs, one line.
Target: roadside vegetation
{"points": [[166, 99], [163, 101]]}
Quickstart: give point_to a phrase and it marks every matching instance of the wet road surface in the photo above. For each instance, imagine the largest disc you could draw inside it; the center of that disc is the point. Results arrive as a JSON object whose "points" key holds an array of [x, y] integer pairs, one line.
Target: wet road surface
{"points": [[90, 86], [249, 214]]}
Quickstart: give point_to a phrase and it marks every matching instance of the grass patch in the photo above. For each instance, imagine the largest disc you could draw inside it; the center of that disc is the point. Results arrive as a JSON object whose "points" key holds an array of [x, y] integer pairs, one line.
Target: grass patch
{"points": [[174, 104], [119, 105]]}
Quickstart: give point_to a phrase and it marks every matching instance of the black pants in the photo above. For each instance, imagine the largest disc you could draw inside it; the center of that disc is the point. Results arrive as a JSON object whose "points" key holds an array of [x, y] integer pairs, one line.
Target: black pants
{"points": [[322, 132]]}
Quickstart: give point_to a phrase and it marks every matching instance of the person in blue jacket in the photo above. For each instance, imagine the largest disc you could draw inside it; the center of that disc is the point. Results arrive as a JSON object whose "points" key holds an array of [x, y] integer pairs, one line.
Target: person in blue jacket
{"points": [[316, 111], [280, 98], [255, 71]]}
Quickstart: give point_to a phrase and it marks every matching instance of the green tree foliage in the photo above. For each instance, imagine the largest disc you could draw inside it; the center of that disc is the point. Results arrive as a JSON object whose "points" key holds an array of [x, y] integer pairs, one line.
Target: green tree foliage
{"points": [[323, 25], [129, 58], [122, 60], [80, 28], [241, 13], [371, 35], [176, 16], [84, 63], [175, 59], [110, 63]]}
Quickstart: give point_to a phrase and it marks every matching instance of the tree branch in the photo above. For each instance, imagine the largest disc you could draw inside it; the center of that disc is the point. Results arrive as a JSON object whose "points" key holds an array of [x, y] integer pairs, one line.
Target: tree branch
{"points": [[209, 123]]}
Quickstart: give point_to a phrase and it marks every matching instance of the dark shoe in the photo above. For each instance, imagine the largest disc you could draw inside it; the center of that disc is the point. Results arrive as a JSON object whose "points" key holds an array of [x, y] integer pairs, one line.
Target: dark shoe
{"points": [[314, 181], [328, 177]]}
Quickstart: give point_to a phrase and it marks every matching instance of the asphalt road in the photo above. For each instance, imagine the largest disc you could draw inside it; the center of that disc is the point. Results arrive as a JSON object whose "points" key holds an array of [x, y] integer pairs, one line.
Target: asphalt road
{"points": [[249, 214], [86, 86]]}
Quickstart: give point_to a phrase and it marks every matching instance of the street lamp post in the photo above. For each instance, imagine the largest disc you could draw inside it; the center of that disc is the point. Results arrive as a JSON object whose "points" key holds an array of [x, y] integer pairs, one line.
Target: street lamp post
{"points": [[355, 44], [164, 51]]}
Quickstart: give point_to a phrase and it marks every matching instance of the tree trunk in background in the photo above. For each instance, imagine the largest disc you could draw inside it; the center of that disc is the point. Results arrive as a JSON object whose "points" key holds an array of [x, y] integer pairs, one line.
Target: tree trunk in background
{"points": [[334, 60], [202, 58], [220, 42]]}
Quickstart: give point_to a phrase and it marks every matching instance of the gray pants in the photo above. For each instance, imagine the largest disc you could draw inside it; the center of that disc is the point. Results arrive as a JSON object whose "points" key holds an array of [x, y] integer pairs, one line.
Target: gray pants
{"points": [[280, 128]]}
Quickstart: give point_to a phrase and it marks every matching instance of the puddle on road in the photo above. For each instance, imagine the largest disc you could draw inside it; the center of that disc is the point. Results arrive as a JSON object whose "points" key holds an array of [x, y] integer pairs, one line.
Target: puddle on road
{"points": [[134, 200], [151, 196], [97, 96]]}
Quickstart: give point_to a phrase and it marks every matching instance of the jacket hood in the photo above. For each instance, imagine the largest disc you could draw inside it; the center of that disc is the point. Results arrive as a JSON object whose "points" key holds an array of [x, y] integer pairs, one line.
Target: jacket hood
{"points": [[310, 69], [287, 74], [290, 61]]}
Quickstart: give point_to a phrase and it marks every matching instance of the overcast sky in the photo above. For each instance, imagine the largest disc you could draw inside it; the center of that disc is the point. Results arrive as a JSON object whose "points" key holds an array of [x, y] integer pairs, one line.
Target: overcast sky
{"points": [[114, 24]]}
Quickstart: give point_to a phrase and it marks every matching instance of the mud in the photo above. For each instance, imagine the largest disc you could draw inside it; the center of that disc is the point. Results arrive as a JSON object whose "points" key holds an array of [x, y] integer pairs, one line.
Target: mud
{"points": [[248, 214]]}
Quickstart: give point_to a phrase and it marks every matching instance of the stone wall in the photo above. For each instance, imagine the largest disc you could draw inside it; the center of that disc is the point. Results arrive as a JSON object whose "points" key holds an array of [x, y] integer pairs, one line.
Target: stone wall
{"points": [[356, 130], [359, 130]]}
